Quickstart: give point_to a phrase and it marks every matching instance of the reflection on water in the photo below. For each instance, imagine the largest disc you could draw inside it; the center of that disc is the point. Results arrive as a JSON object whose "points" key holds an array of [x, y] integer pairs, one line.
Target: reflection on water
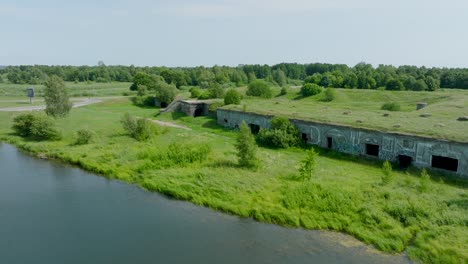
{"points": [[51, 213]]}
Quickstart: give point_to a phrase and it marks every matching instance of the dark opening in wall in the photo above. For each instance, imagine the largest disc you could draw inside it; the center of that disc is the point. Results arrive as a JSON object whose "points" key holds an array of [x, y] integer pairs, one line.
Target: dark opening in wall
{"points": [[444, 163], [254, 128], [329, 142], [305, 137], [372, 150], [163, 104], [404, 161], [225, 120], [198, 112]]}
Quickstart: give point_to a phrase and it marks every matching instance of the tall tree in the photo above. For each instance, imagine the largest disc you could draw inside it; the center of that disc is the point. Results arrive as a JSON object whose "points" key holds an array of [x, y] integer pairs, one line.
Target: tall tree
{"points": [[56, 97], [246, 147]]}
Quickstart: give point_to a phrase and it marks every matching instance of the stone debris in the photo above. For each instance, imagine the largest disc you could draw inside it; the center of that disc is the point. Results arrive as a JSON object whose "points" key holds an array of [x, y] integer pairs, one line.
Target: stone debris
{"points": [[420, 106], [462, 118], [386, 114], [346, 112], [425, 115]]}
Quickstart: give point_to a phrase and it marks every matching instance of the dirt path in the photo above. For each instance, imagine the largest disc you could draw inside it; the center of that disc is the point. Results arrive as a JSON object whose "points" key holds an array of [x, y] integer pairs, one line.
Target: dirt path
{"points": [[169, 124], [41, 107]]}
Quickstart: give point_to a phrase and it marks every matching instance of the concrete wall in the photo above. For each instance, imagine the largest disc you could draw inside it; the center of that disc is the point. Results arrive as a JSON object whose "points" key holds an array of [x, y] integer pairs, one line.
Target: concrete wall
{"points": [[355, 140]]}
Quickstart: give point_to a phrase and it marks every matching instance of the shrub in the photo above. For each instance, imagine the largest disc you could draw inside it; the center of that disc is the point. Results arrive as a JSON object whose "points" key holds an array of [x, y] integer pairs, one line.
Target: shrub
{"points": [[424, 181], [329, 94], [215, 106], [232, 97], [143, 100], [310, 89], [246, 148], [140, 129], [282, 134], [308, 165], [391, 106], [195, 92], [284, 91], [84, 136], [216, 91], [35, 126], [259, 88], [387, 173]]}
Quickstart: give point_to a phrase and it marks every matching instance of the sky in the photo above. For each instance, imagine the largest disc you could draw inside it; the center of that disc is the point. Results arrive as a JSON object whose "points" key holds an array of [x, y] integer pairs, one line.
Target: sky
{"points": [[231, 32]]}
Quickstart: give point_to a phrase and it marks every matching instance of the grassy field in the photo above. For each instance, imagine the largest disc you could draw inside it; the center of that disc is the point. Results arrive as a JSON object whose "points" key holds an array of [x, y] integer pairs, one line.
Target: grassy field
{"points": [[75, 89], [361, 108], [428, 219]]}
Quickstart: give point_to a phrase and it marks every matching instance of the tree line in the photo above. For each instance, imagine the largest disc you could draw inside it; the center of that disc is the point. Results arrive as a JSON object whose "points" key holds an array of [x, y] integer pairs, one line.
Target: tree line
{"points": [[360, 76]]}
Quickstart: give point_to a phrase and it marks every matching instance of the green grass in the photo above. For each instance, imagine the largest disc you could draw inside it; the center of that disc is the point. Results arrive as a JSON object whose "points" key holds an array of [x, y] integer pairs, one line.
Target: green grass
{"points": [[75, 89], [345, 193], [445, 106]]}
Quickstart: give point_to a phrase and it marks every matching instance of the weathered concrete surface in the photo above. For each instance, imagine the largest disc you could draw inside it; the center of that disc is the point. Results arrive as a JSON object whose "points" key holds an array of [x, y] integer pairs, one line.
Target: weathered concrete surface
{"points": [[189, 107], [358, 141]]}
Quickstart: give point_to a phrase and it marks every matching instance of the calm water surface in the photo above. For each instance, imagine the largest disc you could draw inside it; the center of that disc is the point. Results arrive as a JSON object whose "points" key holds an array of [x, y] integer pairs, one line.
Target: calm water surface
{"points": [[52, 213]]}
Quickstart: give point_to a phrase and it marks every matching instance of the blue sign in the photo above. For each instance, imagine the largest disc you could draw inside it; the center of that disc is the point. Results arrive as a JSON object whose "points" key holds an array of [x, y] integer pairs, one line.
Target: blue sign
{"points": [[30, 92]]}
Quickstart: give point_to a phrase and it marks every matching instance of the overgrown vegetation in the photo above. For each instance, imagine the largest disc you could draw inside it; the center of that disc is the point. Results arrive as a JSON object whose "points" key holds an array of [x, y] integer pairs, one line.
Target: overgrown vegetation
{"points": [[308, 165], [310, 89], [232, 97], [139, 128], [36, 127], [393, 106], [282, 134], [84, 136], [387, 172], [259, 88], [246, 148]]}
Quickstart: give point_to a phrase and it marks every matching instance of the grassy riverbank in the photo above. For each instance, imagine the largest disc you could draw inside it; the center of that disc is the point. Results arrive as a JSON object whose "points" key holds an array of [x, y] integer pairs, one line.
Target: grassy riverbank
{"points": [[427, 219]]}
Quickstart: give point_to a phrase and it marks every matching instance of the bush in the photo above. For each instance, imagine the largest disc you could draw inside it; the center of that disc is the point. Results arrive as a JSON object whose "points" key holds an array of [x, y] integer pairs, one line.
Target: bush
{"points": [[232, 97], [195, 92], [216, 91], [329, 94], [282, 134], [140, 129], [259, 88], [310, 89], [36, 126], [215, 106], [284, 91], [143, 100], [391, 106], [387, 173], [308, 165], [246, 148], [84, 136]]}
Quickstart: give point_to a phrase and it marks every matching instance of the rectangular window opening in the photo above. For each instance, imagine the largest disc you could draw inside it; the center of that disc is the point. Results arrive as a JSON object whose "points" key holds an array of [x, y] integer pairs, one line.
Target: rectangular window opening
{"points": [[329, 142], [254, 128], [444, 163], [372, 150]]}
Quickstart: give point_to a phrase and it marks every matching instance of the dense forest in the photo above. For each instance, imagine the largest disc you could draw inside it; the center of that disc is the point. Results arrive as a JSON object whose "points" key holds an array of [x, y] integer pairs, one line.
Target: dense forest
{"points": [[361, 76]]}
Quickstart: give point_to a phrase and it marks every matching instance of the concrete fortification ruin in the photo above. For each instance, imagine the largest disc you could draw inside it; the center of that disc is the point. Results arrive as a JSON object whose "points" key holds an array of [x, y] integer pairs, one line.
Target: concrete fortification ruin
{"points": [[423, 152]]}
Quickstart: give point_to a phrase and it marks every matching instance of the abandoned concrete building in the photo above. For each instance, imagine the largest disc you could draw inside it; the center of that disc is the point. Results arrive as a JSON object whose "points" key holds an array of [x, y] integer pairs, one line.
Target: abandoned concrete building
{"points": [[189, 107], [406, 150]]}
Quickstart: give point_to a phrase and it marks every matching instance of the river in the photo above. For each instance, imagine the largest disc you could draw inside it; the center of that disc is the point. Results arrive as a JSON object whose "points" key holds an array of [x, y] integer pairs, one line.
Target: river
{"points": [[53, 213]]}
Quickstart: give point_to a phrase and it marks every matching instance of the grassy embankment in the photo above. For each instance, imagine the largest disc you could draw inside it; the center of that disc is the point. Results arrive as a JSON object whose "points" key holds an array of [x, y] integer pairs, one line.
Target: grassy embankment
{"points": [[428, 219], [361, 108]]}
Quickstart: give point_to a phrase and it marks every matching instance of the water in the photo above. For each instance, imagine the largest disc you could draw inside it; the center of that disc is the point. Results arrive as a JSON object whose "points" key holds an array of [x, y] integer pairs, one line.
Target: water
{"points": [[52, 213]]}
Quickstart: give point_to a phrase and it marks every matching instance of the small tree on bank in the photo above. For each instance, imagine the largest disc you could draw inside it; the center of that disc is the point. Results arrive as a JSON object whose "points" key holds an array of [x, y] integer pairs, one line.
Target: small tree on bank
{"points": [[308, 165], [232, 97], [56, 97], [246, 148]]}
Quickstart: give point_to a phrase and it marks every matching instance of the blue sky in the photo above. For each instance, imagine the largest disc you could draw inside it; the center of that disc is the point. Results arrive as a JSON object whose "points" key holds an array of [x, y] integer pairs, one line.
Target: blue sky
{"points": [[232, 32]]}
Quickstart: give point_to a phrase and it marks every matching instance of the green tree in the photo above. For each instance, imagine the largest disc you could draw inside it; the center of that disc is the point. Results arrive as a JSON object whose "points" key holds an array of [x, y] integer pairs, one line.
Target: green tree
{"points": [[246, 148], [329, 94], [308, 165], [280, 78], [165, 93], [56, 97], [387, 173], [432, 83], [259, 88], [420, 85], [310, 89], [232, 97], [394, 85]]}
